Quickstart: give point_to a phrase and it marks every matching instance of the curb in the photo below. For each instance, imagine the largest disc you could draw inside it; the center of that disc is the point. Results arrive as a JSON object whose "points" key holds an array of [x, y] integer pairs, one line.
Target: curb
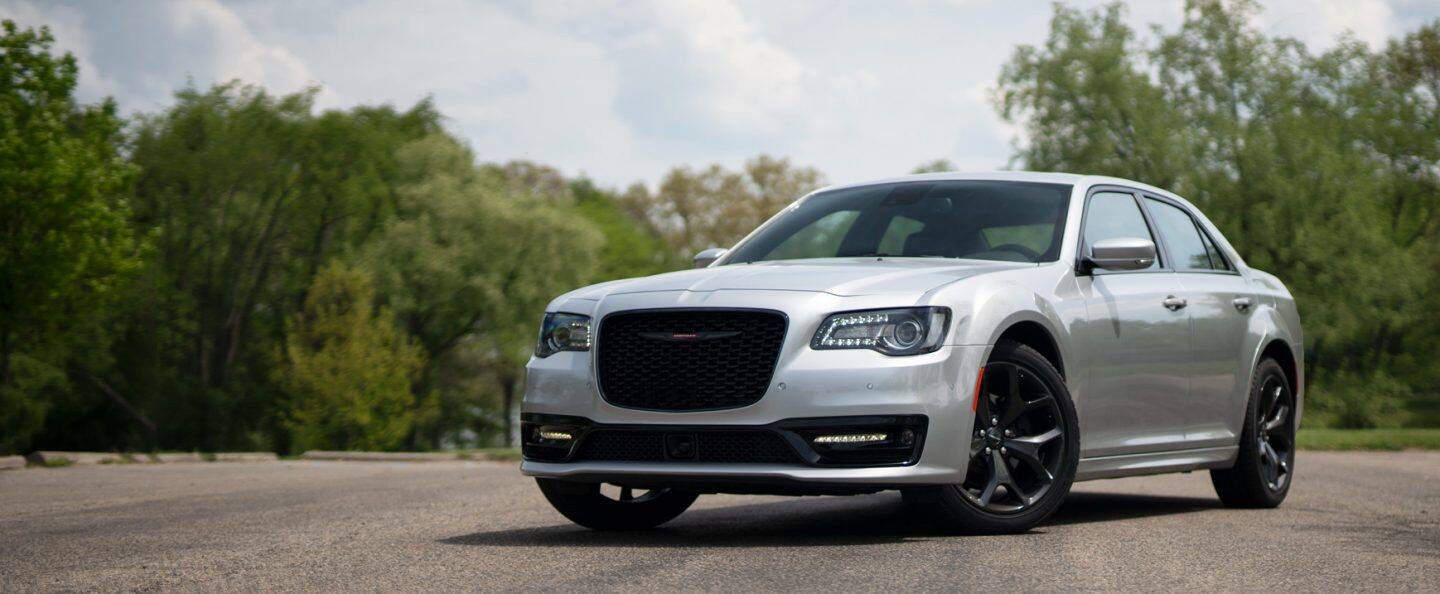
{"points": [[380, 456], [83, 458], [45, 458], [12, 462], [171, 457], [245, 457]]}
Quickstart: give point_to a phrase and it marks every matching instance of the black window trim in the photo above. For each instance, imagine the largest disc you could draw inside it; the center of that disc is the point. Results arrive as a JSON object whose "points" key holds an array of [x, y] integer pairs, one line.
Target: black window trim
{"points": [[1195, 221], [1160, 253]]}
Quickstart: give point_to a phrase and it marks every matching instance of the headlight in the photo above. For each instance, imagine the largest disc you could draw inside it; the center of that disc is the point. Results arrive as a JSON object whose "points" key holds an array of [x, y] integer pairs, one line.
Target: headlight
{"points": [[563, 332], [906, 331]]}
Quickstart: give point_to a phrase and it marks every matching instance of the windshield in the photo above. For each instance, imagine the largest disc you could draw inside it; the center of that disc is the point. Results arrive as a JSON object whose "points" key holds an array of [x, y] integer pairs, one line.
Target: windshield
{"points": [[981, 220]]}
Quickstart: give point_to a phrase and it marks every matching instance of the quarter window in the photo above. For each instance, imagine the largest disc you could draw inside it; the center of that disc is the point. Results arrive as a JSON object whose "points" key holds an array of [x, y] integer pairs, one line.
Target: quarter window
{"points": [[1188, 248], [1115, 215]]}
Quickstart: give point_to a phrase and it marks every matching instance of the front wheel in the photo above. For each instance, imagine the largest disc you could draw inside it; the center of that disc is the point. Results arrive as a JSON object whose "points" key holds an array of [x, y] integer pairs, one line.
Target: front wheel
{"points": [[1261, 475], [614, 507], [1024, 448]]}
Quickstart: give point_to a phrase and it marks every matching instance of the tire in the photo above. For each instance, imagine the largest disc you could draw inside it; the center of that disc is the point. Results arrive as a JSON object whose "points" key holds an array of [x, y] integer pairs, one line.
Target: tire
{"points": [[1261, 479], [586, 505], [965, 511]]}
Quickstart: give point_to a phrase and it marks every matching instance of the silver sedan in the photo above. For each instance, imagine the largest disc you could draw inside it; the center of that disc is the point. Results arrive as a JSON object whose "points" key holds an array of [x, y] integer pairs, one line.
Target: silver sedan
{"points": [[977, 341]]}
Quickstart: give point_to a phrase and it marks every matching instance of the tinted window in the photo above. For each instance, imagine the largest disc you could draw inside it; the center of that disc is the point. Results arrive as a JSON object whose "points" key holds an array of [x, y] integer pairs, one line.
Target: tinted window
{"points": [[983, 220], [1115, 215], [1217, 260], [822, 235], [1182, 239]]}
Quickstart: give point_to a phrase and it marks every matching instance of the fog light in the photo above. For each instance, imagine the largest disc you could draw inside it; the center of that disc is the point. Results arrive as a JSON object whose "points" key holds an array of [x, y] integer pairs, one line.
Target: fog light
{"points": [[852, 438], [555, 435]]}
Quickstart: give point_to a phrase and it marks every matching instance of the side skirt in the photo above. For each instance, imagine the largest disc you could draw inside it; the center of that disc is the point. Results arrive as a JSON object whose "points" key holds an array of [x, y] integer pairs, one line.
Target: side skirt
{"points": [[1104, 467]]}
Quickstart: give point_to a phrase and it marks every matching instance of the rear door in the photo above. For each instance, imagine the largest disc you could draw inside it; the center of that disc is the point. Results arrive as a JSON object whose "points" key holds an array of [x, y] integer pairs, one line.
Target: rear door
{"points": [[1134, 348], [1220, 303]]}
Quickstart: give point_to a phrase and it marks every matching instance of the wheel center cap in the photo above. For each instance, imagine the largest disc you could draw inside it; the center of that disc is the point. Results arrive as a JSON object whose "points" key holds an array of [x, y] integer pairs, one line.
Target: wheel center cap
{"points": [[993, 436]]}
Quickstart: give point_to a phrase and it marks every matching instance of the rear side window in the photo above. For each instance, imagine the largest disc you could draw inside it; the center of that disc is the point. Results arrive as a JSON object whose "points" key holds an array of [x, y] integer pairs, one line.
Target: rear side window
{"points": [[1189, 248], [1115, 215]]}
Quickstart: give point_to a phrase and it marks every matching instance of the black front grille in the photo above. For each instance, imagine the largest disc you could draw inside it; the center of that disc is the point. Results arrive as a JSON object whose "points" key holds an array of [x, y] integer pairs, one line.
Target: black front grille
{"points": [[688, 359], [635, 445]]}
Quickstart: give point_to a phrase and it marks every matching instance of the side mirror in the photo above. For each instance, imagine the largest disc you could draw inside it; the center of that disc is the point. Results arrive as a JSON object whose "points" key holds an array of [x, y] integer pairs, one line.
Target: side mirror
{"points": [[1123, 253], [709, 257]]}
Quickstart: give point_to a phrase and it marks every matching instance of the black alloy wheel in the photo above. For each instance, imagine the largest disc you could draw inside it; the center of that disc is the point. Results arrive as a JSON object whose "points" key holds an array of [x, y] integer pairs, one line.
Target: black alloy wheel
{"points": [[1018, 444], [1265, 464], [1023, 448], [614, 507], [1275, 445]]}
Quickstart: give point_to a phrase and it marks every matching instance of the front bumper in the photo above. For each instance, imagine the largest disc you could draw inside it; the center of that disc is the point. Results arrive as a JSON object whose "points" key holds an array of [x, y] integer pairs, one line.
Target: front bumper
{"points": [[807, 384]]}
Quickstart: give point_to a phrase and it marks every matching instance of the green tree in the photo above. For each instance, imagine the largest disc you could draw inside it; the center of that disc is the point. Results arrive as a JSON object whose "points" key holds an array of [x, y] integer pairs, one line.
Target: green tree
{"points": [[468, 266], [248, 194], [1320, 169], [66, 249], [347, 369], [935, 166], [714, 207]]}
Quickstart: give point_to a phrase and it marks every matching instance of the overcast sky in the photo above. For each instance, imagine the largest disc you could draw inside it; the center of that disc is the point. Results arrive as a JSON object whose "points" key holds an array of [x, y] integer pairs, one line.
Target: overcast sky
{"points": [[621, 91]]}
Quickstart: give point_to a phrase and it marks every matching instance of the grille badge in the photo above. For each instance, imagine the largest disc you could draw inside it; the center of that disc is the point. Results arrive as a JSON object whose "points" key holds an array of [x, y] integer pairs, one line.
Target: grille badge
{"points": [[687, 336]]}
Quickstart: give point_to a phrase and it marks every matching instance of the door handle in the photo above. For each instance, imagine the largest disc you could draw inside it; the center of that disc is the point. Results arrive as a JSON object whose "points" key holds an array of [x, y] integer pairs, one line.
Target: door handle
{"points": [[1242, 303], [1174, 303]]}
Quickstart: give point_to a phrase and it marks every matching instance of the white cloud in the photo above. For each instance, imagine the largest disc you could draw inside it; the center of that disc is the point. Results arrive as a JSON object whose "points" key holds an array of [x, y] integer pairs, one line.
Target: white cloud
{"points": [[1319, 23], [622, 89], [234, 52], [750, 84]]}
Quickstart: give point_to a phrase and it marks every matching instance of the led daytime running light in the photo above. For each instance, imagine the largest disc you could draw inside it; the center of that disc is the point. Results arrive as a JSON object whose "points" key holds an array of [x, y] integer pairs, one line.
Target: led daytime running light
{"points": [[852, 438]]}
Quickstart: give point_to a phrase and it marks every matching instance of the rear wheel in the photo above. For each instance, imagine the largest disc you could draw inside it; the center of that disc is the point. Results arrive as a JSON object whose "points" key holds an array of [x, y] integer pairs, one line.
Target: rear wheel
{"points": [[1024, 448], [1263, 467], [614, 507]]}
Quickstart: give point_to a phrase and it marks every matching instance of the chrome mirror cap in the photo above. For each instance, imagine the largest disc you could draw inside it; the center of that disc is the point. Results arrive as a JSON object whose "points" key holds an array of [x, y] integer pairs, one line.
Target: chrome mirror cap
{"points": [[709, 256], [1123, 253]]}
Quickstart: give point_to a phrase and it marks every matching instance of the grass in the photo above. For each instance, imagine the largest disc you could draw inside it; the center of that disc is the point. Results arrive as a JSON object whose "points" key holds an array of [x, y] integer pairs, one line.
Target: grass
{"points": [[1369, 439]]}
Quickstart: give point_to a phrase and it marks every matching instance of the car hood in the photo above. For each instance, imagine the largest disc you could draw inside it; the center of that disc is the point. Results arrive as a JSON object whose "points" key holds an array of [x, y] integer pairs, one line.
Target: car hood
{"points": [[837, 276]]}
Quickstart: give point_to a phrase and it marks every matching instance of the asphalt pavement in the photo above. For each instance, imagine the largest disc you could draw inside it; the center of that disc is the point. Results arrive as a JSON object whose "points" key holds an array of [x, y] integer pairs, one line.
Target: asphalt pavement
{"points": [[1353, 522]]}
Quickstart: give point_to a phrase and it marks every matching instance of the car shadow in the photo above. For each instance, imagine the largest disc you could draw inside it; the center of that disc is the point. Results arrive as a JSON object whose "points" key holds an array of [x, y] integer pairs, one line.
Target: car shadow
{"points": [[803, 522]]}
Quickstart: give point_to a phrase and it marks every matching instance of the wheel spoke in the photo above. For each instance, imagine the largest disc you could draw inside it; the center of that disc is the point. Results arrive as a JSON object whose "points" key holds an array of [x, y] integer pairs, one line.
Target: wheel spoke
{"points": [[977, 446], [626, 494], [1027, 450], [1002, 472], [1272, 402], [1278, 419], [989, 491], [1007, 479]]}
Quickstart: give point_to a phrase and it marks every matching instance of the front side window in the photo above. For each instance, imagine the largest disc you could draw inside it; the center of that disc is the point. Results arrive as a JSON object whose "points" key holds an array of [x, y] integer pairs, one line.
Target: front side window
{"points": [[980, 220], [1189, 249], [1115, 215]]}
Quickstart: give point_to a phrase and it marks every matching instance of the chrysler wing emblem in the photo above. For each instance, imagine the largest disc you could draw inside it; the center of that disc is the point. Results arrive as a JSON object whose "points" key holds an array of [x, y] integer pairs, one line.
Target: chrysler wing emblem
{"points": [[688, 336]]}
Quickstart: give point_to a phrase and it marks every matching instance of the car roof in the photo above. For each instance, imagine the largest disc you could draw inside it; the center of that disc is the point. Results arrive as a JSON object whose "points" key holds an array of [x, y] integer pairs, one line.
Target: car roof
{"points": [[1016, 176]]}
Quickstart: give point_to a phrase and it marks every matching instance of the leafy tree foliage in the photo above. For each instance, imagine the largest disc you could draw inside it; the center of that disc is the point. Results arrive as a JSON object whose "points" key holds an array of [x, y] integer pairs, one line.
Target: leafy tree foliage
{"points": [[712, 207], [1319, 168], [66, 248], [936, 166], [346, 368], [467, 264]]}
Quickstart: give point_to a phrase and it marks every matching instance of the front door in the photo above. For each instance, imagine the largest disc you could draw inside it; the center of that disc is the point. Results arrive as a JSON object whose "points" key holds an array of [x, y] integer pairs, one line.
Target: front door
{"points": [[1135, 343]]}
